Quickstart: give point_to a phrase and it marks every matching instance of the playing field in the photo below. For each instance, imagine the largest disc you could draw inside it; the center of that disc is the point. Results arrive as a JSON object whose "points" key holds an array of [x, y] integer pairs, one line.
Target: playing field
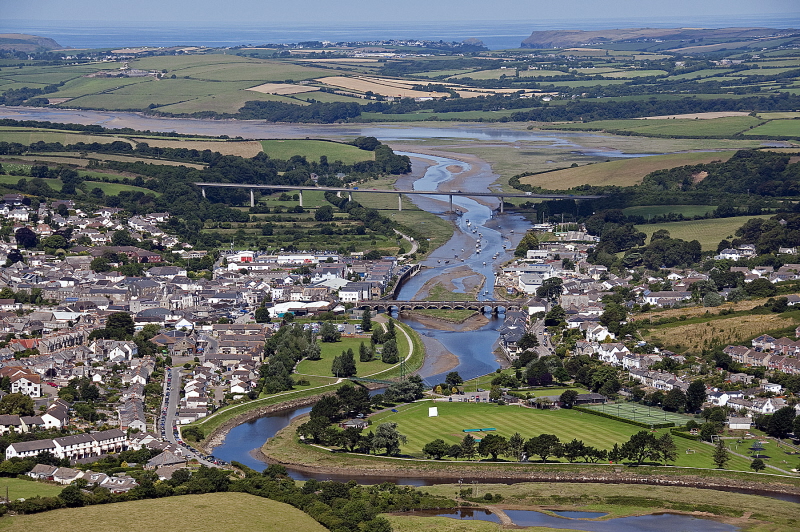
{"points": [[217, 512], [314, 149], [641, 413], [413, 421], [708, 232]]}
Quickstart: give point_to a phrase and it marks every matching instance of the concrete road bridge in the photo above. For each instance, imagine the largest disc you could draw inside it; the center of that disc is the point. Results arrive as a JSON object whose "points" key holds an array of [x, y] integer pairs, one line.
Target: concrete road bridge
{"points": [[350, 191], [495, 307]]}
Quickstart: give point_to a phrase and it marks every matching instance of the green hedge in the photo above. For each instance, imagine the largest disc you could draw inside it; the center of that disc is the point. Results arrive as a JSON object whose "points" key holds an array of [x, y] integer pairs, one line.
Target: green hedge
{"points": [[681, 434], [624, 420]]}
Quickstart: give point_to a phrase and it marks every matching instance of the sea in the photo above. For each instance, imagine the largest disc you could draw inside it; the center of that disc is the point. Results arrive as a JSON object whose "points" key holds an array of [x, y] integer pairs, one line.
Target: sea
{"points": [[496, 35]]}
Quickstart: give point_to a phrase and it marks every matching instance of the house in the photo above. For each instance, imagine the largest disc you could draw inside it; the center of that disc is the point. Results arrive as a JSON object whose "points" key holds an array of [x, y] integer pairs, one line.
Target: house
{"points": [[23, 381], [739, 423]]}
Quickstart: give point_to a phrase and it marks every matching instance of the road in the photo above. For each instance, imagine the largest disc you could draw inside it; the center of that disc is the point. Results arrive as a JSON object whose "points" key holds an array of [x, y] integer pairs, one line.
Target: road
{"points": [[545, 348], [169, 408]]}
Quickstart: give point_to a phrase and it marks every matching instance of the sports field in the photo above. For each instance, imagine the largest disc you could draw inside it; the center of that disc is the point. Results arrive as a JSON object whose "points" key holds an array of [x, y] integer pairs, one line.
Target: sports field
{"points": [[314, 149], [413, 421], [217, 512], [641, 413], [708, 232]]}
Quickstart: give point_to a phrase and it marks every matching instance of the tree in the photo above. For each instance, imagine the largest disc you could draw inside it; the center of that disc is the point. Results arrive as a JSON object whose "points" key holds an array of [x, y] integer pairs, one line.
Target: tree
{"points": [[55, 242], [642, 446], [453, 379], [568, 398], [695, 396], [123, 238], [515, 447], [390, 354], [354, 399], [544, 445], [492, 444], [388, 437], [721, 454], [468, 447], [757, 465], [551, 288], [528, 341], [529, 241], [365, 354], [436, 449], [674, 400], [329, 333], [574, 449], [72, 496], [17, 404], [324, 214], [666, 449], [344, 365], [26, 238], [119, 326], [262, 315], [780, 423], [366, 320]]}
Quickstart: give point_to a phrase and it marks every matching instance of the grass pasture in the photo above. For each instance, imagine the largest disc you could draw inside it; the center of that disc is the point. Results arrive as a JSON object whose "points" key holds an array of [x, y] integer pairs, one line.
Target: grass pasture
{"points": [[25, 489], [232, 512], [413, 421], [314, 149], [658, 210], [778, 128], [708, 232], [623, 172], [681, 127]]}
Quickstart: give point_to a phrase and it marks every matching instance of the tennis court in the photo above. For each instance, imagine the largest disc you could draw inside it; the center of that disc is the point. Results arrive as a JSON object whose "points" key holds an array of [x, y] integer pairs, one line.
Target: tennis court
{"points": [[641, 413]]}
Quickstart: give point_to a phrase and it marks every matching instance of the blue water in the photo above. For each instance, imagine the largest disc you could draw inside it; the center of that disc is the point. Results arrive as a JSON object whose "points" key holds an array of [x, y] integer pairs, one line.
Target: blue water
{"points": [[495, 34], [578, 515]]}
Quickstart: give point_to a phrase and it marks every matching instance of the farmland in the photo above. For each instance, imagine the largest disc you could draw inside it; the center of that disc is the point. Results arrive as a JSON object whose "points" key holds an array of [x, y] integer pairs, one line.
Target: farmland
{"points": [[413, 421], [708, 232], [625, 172], [683, 127], [778, 128], [25, 489], [687, 211], [187, 513], [314, 149]]}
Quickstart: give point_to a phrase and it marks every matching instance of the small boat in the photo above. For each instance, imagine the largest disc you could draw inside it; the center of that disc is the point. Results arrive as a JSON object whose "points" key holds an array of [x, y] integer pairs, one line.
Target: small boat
{"points": [[512, 231], [447, 262], [484, 263]]}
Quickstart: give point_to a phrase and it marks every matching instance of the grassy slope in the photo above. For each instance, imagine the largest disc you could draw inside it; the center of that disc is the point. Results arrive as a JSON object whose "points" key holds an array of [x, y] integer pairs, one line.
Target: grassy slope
{"points": [[25, 489], [314, 149], [708, 232], [625, 172], [657, 210], [232, 512], [783, 128]]}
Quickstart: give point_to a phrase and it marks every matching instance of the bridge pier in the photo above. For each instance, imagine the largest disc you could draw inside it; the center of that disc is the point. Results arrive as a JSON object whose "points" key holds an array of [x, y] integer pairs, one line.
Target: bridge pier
{"points": [[349, 196], [203, 190], [399, 202], [451, 203], [502, 200], [301, 197], [252, 198]]}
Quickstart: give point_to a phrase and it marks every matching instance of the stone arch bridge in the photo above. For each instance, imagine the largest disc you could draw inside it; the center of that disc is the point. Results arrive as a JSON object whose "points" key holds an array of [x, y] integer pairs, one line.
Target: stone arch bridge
{"points": [[495, 307]]}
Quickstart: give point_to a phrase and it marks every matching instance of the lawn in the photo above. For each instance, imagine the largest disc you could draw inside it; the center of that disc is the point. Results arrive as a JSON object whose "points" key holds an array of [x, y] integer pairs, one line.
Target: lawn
{"points": [[331, 350], [708, 232], [25, 489], [641, 413], [623, 172], [232, 512], [314, 149], [780, 128], [413, 421]]}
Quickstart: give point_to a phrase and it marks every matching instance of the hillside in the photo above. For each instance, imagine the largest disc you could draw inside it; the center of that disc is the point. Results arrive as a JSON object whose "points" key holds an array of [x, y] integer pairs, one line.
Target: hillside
{"points": [[573, 38], [21, 42]]}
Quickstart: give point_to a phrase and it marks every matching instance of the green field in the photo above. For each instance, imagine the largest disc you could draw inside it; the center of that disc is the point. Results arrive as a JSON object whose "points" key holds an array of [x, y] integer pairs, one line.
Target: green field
{"points": [[217, 512], [25, 489], [708, 232], [109, 189], [682, 127], [658, 210], [624, 172], [330, 350], [29, 136], [314, 149], [413, 421], [780, 128]]}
